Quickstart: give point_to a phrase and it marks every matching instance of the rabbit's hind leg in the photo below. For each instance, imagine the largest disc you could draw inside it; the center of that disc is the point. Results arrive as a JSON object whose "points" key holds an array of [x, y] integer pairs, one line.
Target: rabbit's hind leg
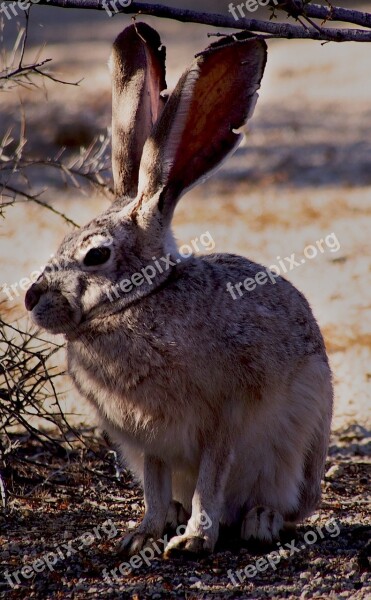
{"points": [[262, 523], [176, 515], [292, 458]]}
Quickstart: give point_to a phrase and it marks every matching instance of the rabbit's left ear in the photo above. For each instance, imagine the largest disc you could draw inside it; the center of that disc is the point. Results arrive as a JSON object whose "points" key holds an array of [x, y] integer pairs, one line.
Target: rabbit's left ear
{"points": [[137, 65], [199, 125]]}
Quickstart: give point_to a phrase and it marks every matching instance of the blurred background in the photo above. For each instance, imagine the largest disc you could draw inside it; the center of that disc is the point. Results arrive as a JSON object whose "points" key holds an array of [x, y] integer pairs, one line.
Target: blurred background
{"points": [[303, 173]]}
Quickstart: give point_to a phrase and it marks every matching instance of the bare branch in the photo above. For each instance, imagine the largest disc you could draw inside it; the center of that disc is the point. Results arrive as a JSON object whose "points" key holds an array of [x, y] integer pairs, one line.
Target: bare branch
{"points": [[34, 198], [22, 69], [90, 166], [331, 13], [33, 68], [292, 8], [10, 74]]}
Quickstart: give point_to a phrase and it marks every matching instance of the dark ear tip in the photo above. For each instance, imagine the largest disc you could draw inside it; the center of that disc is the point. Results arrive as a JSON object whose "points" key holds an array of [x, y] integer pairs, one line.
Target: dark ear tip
{"points": [[131, 43], [135, 31], [138, 73]]}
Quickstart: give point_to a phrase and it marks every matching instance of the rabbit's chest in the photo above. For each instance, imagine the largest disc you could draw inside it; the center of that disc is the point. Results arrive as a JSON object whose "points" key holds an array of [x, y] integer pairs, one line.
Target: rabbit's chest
{"points": [[138, 391], [150, 417]]}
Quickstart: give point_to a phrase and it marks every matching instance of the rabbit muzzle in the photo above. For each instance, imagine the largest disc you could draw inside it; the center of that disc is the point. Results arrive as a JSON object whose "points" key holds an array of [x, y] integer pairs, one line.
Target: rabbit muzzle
{"points": [[52, 308]]}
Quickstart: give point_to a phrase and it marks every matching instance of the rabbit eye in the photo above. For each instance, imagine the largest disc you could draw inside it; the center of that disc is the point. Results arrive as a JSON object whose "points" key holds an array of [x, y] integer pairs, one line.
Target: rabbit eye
{"points": [[97, 256]]}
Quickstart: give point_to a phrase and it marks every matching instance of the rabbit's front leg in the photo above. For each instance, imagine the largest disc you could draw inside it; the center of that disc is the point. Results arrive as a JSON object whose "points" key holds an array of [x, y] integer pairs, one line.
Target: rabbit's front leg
{"points": [[202, 530], [157, 497]]}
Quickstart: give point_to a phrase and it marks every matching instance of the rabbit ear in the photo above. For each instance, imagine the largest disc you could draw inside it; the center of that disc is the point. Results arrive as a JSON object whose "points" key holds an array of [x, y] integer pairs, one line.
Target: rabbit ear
{"points": [[197, 128], [137, 65]]}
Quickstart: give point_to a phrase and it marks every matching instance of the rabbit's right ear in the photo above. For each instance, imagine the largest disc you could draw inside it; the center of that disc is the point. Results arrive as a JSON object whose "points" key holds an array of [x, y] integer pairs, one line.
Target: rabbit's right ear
{"points": [[199, 126], [137, 65]]}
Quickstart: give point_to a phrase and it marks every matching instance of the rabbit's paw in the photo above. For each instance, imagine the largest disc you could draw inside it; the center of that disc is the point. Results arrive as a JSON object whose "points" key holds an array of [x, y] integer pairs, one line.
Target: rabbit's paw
{"points": [[176, 515], [187, 546], [263, 524], [134, 542]]}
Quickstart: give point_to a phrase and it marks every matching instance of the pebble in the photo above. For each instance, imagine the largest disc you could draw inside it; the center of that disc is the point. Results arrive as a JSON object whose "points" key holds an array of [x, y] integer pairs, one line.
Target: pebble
{"points": [[334, 472], [196, 585]]}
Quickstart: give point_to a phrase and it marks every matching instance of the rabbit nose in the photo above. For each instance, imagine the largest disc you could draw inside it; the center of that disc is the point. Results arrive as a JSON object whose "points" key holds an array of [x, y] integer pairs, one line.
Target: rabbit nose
{"points": [[33, 295]]}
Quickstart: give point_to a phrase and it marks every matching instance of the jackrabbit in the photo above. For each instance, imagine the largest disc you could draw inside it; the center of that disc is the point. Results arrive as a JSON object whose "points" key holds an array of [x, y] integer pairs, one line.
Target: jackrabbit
{"points": [[221, 406]]}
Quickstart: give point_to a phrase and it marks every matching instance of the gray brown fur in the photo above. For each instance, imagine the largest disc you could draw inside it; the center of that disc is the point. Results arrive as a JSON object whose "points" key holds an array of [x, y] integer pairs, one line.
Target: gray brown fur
{"points": [[221, 405]]}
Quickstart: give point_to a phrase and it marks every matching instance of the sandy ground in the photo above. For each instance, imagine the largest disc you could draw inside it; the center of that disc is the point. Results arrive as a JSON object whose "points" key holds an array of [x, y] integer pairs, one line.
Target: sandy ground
{"points": [[302, 176], [67, 531]]}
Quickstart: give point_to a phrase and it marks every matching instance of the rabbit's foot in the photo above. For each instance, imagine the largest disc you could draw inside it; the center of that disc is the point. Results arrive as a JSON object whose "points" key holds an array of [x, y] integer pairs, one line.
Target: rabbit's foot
{"points": [[136, 541], [187, 546], [263, 524], [176, 515]]}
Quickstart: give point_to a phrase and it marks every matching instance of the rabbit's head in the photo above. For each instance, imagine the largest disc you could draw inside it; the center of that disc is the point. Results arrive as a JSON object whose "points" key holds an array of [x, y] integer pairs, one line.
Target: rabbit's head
{"points": [[160, 149]]}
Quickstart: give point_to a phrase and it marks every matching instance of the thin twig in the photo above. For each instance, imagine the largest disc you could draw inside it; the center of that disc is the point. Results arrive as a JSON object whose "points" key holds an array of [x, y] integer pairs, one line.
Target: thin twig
{"points": [[2, 493], [35, 199]]}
